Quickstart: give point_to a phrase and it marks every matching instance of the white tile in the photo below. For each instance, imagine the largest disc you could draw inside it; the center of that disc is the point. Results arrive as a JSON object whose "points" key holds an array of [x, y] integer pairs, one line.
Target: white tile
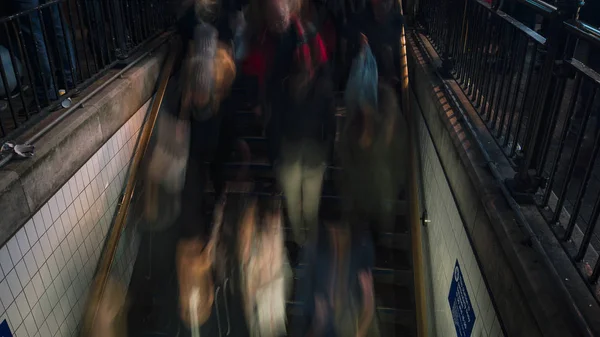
{"points": [[78, 207], [54, 212], [64, 330], [96, 163], [71, 296], [30, 263], [22, 273], [60, 259], [73, 188], [112, 143], [14, 250], [52, 296], [38, 315], [71, 242], [78, 234], [67, 225], [73, 322], [22, 304], [79, 182], [38, 222], [31, 232], [67, 194], [71, 271], [59, 286], [45, 305], [47, 216], [30, 295], [30, 325], [60, 200], [13, 283], [65, 306], [22, 331], [85, 176], [38, 285], [489, 316], [72, 216], [44, 330], [64, 247], [14, 316], [66, 281], [5, 260], [45, 245], [484, 302], [46, 276], [23, 241], [6, 295], [52, 237], [90, 196], [84, 201], [53, 267], [90, 169], [77, 260], [52, 324], [59, 315], [89, 247]]}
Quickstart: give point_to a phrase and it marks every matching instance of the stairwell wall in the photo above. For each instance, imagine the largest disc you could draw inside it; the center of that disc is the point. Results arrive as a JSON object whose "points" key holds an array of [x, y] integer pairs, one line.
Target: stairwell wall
{"points": [[48, 265], [446, 243], [73, 185]]}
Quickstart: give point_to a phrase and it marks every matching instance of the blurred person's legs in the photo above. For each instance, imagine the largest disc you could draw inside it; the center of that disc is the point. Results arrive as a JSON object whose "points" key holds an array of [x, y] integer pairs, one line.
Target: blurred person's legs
{"points": [[312, 182], [289, 174], [300, 173], [192, 200], [39, 31]]}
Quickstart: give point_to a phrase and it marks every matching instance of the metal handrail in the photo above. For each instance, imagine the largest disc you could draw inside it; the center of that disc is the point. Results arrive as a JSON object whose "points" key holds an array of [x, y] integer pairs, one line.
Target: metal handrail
{"points": [[110, 248], [540, 7], [584, 31], [413, 195]]}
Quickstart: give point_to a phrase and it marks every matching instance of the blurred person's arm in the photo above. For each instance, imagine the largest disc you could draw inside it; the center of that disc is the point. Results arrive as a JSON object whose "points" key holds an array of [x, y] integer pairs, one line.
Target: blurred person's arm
{"points": [[368, 308]]}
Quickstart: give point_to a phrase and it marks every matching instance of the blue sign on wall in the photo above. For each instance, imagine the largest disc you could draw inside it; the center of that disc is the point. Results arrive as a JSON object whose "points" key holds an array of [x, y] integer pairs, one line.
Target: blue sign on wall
{"points": [[5, 330], [460, 303]]}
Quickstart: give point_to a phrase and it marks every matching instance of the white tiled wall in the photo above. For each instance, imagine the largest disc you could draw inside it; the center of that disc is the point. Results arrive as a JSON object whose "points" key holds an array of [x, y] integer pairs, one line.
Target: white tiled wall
{"points": [[446, 242], [47, 267]]}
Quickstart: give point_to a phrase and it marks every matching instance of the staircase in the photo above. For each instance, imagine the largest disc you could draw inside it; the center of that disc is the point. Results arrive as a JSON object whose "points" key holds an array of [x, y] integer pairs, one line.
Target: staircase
{"points": [[158, 314]]}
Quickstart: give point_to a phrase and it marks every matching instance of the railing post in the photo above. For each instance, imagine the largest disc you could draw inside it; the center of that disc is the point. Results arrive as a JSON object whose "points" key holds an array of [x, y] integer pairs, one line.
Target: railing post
{"points": [[527, 180], [447, 61]]}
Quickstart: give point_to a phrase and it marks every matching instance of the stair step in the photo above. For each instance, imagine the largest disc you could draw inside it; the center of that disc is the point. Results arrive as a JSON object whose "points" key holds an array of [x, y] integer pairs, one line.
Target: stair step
{"points": [[385, 314], [326, 200], [381, 276]]}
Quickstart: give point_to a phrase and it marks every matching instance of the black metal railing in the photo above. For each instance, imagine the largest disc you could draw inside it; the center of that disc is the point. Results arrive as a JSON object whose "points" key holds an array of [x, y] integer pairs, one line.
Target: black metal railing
{"points": [[538, 92], [50, 50]]}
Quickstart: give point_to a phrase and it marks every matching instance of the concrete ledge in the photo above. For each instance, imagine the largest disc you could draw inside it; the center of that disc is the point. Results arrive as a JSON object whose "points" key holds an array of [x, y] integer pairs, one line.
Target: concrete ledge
{"points": [[26, 185], [520, 283]]}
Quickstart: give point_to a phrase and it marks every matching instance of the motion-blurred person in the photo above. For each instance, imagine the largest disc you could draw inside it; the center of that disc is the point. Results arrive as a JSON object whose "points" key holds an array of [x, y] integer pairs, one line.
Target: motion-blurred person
{"points": [[373, 151], [106, 314], [204, 81], [264, 269], [299, 108], [381, 23], [49, 49], [337, 288]]}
